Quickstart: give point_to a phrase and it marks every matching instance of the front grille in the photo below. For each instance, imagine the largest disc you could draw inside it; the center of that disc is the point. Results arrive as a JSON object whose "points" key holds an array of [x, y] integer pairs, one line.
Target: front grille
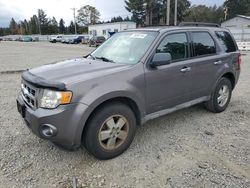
{"points": [[29, 94]]}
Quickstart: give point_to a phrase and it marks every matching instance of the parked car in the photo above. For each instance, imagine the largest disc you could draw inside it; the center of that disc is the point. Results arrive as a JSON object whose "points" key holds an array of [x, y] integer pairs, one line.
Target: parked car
{"points": [[76, 40], [135, 76], [35, 39], [67, 39], [85, 40], [26, 39], [55, 39], [96, 41]]}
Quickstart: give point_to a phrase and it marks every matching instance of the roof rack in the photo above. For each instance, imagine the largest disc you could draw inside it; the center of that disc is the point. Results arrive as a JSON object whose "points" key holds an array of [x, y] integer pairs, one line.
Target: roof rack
{"points": [[198, 24]]}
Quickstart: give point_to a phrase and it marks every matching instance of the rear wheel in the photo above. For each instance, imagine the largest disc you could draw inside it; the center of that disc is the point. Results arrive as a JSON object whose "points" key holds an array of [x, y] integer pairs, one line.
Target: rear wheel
{"points": [[220, 97], [110, 131]]}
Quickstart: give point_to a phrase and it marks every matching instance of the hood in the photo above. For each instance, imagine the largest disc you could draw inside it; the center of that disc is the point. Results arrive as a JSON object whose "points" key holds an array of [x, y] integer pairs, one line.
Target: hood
{"points": [[76, 70]]}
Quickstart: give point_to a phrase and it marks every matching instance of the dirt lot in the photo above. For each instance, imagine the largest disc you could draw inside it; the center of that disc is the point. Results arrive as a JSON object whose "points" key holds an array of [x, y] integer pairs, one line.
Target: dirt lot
{"points": [[189, 148]]}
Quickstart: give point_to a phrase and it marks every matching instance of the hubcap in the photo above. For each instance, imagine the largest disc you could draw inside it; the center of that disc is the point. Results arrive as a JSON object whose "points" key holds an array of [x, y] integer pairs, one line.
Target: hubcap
{"points": [[113, 132], [223, 96]]}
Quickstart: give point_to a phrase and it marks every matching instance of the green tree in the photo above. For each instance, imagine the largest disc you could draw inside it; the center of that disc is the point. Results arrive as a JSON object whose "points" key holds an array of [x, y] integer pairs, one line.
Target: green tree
{"points": [[26, 26], [127, 19], [62, 28], [23, 27], [33, 25], [153, 12], [4, 31], [138, 10], [54, 26], [71, 28], [235, 7], [13, 27], [88, 15], [116, 19], [183, 10], [43, 21], [202, 13]]}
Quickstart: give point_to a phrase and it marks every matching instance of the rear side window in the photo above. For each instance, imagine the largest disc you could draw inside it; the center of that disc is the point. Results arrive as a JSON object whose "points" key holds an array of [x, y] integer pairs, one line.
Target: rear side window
{"points": [[176, 45], [203, 44], [226, 41]]}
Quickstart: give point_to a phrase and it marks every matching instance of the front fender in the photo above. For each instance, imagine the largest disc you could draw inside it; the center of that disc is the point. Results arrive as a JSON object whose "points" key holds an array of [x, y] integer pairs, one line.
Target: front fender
{"points": [[101, 93]]}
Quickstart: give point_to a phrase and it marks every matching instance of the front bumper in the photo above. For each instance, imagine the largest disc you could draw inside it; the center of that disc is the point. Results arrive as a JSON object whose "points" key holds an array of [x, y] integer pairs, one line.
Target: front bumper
{"points": [[67, 119]]}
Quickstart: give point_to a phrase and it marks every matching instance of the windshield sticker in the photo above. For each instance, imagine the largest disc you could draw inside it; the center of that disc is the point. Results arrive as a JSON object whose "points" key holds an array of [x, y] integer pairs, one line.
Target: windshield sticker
{"points": [[138, 36]]}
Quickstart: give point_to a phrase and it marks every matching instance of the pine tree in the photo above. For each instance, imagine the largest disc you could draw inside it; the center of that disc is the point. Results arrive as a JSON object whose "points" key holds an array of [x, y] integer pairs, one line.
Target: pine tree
{"points": [[13, 27], [43, 21], [71, 28], [138, 10], [62, 28], [54, 26], [33, 25]]}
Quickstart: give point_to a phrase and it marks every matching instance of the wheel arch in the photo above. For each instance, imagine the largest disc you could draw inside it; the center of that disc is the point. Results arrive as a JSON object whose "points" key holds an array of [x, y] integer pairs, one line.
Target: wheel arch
{"points": [[123, 100], [231, 77]]}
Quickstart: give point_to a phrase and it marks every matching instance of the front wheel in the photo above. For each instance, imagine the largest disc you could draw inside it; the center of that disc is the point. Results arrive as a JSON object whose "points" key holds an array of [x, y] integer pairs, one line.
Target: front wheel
{"points": [[220, 97], [110, 131]]}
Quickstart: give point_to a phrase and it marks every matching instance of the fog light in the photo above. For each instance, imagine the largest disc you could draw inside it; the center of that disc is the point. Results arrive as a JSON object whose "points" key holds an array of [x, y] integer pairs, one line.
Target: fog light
{"points": [[48, 131]]}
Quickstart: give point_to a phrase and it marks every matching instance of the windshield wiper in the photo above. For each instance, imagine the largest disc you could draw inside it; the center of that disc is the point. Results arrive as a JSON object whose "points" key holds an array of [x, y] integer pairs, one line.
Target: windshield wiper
{"points": [[93, 57], [105, 59]]}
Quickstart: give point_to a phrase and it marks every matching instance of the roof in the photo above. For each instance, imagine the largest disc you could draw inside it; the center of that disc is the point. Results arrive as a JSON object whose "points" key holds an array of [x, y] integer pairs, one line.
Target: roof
{"points": [[242, 16], [239, 16], [172, 28], [113, 23]]}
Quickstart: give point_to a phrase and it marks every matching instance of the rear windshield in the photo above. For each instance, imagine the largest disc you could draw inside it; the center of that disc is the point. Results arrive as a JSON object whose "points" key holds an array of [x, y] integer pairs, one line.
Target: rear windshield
{"points": [[226, 41]]}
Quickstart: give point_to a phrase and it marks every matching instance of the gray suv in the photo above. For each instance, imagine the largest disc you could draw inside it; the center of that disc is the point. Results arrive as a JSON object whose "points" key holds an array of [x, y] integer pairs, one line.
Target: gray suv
{"points": [[99, 101]]}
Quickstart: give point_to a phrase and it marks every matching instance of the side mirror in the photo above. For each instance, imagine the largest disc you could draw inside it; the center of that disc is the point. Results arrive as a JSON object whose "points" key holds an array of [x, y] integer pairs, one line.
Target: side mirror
{"points": [[160, 59]]}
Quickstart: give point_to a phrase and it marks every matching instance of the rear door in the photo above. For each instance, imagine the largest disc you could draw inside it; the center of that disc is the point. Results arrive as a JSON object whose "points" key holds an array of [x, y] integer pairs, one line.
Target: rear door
{"points": [[207, 63]]}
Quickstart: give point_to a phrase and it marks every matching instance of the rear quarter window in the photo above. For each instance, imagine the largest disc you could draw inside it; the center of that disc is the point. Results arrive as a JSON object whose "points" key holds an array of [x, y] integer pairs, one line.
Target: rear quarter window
{"points": [[226, 41]]}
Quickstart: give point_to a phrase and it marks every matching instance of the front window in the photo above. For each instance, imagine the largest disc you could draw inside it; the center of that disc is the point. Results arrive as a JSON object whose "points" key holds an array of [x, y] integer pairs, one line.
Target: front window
{"points": [[176, 45], [125, 47]]}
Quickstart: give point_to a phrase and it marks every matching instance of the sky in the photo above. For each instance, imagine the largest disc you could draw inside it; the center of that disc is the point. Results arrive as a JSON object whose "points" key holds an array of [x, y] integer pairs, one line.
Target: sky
{"points": [[24, 9]]}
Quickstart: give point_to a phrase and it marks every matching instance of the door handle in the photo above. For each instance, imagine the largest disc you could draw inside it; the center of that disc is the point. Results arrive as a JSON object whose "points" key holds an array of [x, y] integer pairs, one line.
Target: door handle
{"points": [[185, 69], [218, 62]]}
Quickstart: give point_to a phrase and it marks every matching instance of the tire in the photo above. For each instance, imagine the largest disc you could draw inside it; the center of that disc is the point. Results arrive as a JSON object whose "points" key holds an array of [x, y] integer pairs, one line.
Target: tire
{"points": [[215, 104], [104, 142]]}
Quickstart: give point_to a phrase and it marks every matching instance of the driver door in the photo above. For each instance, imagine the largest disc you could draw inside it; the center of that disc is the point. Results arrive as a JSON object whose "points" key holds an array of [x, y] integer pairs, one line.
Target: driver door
{"points": [[168, 85]]}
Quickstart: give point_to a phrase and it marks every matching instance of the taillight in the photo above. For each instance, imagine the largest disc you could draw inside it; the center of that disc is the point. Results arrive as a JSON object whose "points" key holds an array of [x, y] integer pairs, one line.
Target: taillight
{"points": [[238, 62]]}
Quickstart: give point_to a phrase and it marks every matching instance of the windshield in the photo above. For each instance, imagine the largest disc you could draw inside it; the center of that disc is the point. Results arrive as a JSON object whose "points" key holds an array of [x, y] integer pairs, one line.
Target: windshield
{"points": [[125, 47]]}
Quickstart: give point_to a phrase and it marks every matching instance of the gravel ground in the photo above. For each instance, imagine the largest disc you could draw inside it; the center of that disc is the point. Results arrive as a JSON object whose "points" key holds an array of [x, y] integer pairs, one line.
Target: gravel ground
{"points": [[189, 148]]}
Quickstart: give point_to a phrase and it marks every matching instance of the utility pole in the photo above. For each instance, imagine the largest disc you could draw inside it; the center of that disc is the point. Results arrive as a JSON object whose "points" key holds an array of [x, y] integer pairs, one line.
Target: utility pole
{"points": [[226, 13], [74, 14], [226, 10], [168, 12], [175, 12]]}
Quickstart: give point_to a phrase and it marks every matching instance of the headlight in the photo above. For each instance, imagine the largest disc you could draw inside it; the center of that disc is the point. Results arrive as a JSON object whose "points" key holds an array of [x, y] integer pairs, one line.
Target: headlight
{"points": [[52, 99]]}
